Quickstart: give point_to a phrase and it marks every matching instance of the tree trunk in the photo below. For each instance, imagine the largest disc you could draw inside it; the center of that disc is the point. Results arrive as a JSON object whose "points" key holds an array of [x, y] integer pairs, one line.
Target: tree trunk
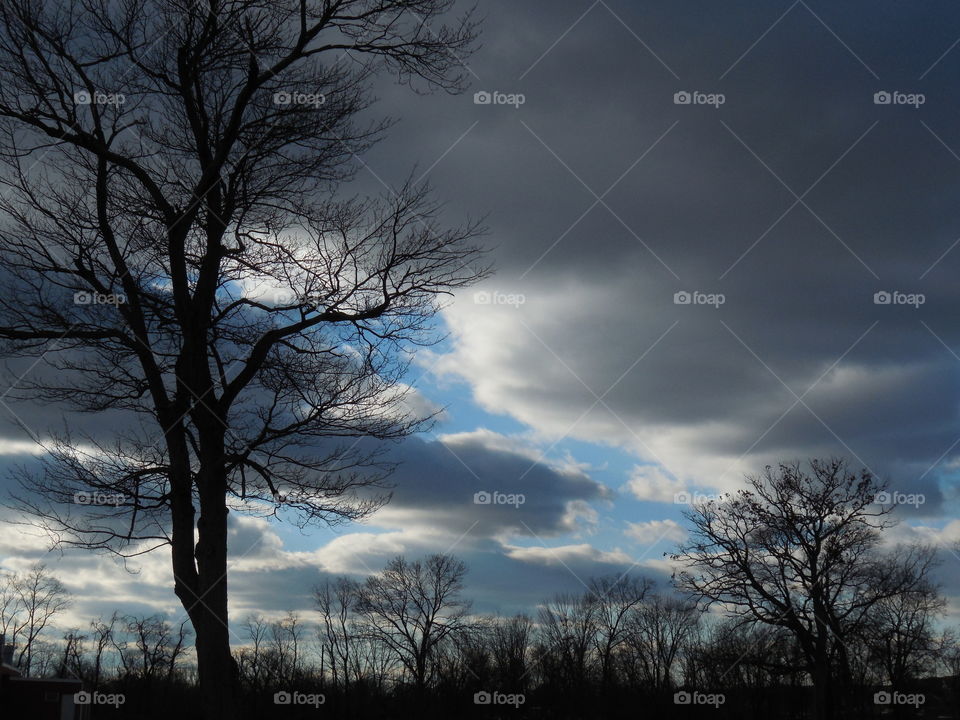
{"points": [[201, 586], [215, 664], [822, 688]]}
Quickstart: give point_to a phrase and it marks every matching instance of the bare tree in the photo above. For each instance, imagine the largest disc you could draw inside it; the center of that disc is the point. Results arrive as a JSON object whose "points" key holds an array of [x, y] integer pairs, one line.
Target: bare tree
{"points": [[152, 646], [657, 633], [9, 607], [276, 656], [165, 162], [510, 642], [31, 600], [286, 638], [103, 638], [567, 629], [72, 661], [618, 599], [413, 606], [336, 602], [798, 550], [901, 637], [250, 659]]}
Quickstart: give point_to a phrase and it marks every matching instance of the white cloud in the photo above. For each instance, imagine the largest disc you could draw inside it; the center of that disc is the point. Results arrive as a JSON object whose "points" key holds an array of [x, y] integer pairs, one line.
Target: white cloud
{"points": [[567, 555], [655, 531], [649, 482]]}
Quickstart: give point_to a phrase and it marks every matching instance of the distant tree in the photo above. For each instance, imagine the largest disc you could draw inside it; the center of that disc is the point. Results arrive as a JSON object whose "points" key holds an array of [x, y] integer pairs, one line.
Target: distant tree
{"points": [[74, 649], [29, 601], [509, 647], [152, 646], [617, 602], [413, 606], [102, 636], [799, 550], [336, 601], [567, 631], [178, 249], [901, 637], [276, 657], [658, 633]]}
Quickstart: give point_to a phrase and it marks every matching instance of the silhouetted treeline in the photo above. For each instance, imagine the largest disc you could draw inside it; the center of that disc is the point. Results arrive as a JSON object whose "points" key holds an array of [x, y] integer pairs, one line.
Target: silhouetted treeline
{"points": [[405, 643]]}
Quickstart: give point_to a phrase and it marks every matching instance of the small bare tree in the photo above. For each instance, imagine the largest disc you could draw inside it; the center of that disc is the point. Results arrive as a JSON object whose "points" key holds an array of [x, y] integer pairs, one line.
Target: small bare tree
{"points": [[29, 601], [177, 250], [617, 601], [510, 644], [657, 633], [102, 635], [412, 607], [901, 636], [567, 630], [338, 633], [151, 647]]}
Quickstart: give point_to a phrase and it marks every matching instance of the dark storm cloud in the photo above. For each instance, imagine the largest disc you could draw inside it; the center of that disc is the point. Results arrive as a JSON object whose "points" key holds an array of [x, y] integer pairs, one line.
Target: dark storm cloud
{"points": [[468, 483], [799, 198]]}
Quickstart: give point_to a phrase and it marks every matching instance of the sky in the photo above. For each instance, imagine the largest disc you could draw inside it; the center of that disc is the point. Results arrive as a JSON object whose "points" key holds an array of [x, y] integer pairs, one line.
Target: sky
{"points": [[790, 169]]}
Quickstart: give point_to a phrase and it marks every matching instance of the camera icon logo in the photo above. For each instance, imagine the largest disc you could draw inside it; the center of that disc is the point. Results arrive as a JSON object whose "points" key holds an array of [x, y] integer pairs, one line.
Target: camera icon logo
{"points": [[882, 498], [482, 498], [82, 298], [882, 98], [82, 498], [682, 498], [481, 298], [882, 297], [682, 298], [82, 698], [482, 98], [682, 698], [282, 698], [482, 698], [282, 98], [82, 98], [682, 98], [882, 698]]}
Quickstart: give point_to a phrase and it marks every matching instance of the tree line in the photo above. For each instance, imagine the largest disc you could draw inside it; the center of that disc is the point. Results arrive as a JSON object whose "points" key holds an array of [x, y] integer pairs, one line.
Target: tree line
{"points": [[785, 575]]}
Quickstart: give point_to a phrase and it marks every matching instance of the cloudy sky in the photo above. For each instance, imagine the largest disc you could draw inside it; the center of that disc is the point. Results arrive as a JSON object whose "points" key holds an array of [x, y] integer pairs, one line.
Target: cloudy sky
{"points": [[790, 169]]}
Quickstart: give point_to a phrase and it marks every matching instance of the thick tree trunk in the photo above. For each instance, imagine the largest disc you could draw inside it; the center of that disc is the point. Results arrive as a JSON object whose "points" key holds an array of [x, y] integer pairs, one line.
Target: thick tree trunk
{"points": [[822, 689], [201, 586], [215, 664]]}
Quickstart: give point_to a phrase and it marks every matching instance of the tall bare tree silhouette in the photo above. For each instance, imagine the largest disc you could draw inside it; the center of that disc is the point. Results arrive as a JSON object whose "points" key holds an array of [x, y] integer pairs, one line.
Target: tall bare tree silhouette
{"points": [[160, 159]]}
